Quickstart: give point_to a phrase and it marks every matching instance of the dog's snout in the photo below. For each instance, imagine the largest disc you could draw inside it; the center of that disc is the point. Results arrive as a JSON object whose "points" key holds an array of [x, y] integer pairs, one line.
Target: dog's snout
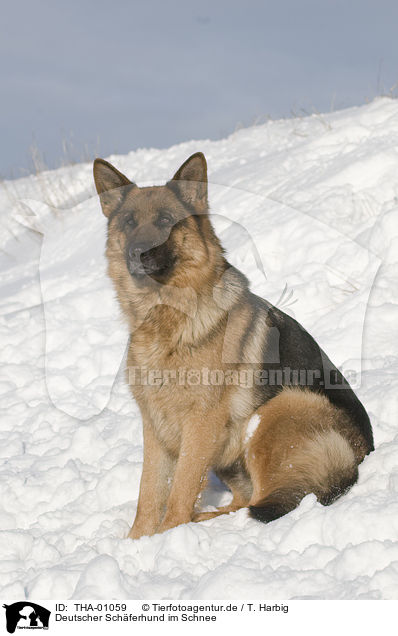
{"points": [[136, 249], [145, 258]]}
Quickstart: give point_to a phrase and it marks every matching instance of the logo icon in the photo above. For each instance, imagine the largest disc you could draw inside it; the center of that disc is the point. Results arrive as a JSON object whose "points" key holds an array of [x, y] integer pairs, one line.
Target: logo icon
{"points": [[26, 615]]}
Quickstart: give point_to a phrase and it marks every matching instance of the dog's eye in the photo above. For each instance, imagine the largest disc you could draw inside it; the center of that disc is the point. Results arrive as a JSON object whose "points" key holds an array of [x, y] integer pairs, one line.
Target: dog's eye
{"points": [[164, 219], [131, 222]]}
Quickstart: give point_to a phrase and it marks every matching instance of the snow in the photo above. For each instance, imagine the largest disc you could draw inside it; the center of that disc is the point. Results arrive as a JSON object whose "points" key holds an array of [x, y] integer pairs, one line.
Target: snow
{"points": [[251, 428], [307, 208]]}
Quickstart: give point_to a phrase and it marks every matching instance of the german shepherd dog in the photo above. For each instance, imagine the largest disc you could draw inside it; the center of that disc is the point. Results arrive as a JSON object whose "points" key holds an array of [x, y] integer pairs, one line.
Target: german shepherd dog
{"points": [[272, 440]]}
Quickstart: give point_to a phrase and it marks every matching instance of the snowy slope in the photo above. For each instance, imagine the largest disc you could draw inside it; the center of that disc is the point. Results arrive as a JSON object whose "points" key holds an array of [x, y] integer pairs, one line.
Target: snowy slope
{"points": [[310, 203]]}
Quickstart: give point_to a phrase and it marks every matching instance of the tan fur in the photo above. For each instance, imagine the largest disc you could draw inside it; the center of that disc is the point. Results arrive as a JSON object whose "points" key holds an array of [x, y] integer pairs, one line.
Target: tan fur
{"points": [[301, 439], [201, 317]]}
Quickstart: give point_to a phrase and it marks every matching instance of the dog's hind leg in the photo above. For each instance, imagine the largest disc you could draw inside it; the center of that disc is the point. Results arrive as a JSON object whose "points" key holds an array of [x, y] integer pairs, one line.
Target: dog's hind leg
{"points": [[236, 504]]}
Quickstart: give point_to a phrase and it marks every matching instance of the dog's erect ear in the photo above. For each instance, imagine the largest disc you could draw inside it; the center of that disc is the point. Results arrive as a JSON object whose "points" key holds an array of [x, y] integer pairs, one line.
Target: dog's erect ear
{"points": [[106, 176], [110, 184], [192, 179]]}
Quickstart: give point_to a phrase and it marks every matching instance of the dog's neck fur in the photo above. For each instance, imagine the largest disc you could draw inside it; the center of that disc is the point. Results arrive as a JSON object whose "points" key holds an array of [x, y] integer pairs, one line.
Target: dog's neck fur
{"points": [[189, 313]]}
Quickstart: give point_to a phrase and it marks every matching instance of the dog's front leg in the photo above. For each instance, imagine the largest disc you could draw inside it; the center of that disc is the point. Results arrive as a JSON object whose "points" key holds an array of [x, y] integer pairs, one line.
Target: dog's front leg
{"points": [[198, 447], [154, 486]]}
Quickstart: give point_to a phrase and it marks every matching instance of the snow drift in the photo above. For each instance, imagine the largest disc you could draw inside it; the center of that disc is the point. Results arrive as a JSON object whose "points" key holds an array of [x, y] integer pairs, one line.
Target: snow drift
{"points": [[307, 209]]}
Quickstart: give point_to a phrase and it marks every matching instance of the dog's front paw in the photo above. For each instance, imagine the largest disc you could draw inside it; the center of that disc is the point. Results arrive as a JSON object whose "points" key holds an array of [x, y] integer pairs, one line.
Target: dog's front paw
{"points": [[136, 534], [203, 516], [173, 521], [168, 525], [137, 531]]}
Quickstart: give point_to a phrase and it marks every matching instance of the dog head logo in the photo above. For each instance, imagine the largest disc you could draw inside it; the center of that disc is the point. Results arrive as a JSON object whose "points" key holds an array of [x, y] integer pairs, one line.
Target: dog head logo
{"points": [[26, 615]]}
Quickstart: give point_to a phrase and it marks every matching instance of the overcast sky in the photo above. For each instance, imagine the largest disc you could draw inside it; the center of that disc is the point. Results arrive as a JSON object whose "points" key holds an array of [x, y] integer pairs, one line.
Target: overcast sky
{"points": [[111, 76]]}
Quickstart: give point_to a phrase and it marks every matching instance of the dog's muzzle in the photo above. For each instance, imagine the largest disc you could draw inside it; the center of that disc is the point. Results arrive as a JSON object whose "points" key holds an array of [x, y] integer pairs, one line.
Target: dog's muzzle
{"points": [[144, 259]]}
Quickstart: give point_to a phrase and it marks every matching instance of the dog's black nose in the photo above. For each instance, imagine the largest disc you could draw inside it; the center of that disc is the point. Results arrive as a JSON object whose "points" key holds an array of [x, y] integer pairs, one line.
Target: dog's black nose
{"points": [[137, 249]]}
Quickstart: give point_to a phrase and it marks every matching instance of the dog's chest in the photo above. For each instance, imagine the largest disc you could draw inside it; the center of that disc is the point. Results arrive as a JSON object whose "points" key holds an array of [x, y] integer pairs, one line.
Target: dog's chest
{"points": [[170, 388]]}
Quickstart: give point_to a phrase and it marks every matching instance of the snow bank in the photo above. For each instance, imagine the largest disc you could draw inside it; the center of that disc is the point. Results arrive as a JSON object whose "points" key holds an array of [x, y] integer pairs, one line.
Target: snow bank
{"points": [[307, 203]]}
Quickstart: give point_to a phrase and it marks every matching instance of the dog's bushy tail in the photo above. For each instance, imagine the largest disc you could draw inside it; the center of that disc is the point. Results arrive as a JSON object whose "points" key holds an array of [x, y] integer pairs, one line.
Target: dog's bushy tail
{"points": [[325, 465]]}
